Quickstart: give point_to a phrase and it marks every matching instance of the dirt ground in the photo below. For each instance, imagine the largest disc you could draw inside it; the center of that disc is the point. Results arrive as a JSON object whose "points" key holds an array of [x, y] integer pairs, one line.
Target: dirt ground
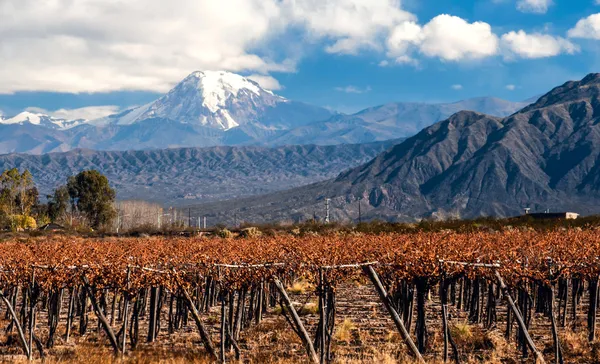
{"points": [[364, 334]]}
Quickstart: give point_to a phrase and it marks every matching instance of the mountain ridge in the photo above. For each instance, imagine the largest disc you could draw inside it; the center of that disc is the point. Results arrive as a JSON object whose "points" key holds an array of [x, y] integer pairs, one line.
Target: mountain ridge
{"points": [[183, 175], [546, 156], [210, 108]]}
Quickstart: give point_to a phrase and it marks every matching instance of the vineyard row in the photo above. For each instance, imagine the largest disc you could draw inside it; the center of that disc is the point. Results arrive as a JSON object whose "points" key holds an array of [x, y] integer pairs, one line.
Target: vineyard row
{"points": [[178, 278]]}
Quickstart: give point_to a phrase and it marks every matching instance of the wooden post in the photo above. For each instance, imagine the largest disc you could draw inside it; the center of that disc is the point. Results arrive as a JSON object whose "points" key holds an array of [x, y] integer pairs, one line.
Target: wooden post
{"points": [[370, 272], [592, 309], [152, 318], [223, 326], [260, 303], [32, 304], [558, 356], [204, 335], [519, 318], [236, 346], [322, 317], [310, 349], [113, 308], [103, 321], [70, 314], [125, 312], [26, 347]]}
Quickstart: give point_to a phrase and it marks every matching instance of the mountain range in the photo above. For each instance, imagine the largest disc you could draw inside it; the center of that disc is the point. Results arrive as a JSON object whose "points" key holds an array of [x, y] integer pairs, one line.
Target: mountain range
{"points": [[544, 157], [213, 108], [186, 175]]}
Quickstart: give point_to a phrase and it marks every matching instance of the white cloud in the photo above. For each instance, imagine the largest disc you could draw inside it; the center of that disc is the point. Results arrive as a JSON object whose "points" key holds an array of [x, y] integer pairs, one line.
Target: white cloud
{"points": [[534, 6], [453, 39], [267, 82], [88, 113], [535, 45], [511, 87], [353, 89], [404, 59], [353, 24], [588, 28], [447, 37], [404, 37], [108, 45], [384, 63], [457, 87], [100, 45]]}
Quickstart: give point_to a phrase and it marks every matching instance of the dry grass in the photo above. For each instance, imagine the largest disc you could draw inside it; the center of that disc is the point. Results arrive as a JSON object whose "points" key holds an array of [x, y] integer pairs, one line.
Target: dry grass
{"points": [[344, 331], [575, 343], [461, 332], [311, 308], [300, 287]]}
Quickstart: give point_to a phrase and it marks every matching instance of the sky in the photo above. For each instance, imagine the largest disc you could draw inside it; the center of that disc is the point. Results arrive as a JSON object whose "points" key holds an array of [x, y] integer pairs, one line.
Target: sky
{"points": [[90, 58]]}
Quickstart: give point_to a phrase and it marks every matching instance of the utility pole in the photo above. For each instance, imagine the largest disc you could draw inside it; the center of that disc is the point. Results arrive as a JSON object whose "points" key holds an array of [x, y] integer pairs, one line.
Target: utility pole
{"points": [[118, 220], [359, 213], [327, 210]]}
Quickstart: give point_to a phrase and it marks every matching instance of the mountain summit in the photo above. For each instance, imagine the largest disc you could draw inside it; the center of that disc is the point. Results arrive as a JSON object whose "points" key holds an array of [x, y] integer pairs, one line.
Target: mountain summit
{"points": [[216, 99]]}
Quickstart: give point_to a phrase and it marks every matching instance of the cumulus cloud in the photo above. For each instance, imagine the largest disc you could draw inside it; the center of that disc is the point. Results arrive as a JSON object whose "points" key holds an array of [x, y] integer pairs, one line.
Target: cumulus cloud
{"points": [[534, 6], [266, 82], [99, 45], [107, 45], [452, 38], [404, 37], [457, 87], [88, 113], [588, 28], [535, 45], [447, 37], [353, 89], [511, 87], [354, 24]]}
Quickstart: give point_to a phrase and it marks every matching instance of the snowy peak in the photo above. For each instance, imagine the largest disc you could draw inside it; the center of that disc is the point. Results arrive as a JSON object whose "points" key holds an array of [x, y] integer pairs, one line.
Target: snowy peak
{"points": [[216, 99], [27, 117], [218, 86]]}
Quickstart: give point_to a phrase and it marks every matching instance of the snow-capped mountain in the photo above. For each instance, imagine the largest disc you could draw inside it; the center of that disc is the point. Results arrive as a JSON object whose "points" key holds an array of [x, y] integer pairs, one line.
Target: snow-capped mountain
{"points": [[206, 109], [214, 108], [41, 120], [215, 99]]}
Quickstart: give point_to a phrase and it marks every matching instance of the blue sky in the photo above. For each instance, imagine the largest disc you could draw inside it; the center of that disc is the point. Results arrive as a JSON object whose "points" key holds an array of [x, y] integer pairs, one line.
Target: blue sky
{"points": [[103, 56]]}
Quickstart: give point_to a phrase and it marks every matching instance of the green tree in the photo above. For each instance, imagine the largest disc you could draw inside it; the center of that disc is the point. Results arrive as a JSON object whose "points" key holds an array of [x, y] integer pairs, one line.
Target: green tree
{"points": [[18, 193], [92, 195], [58, 204]]}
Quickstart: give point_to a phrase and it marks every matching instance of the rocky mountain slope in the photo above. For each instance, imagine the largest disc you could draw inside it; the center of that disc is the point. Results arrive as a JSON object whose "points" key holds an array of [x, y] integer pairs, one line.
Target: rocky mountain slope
{"points": [[394, 120], [177, 176], [546, 156]]}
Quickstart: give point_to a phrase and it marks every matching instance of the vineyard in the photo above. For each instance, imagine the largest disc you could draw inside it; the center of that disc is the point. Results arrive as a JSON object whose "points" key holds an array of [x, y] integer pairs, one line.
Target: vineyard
{"points": [[55, 289]]}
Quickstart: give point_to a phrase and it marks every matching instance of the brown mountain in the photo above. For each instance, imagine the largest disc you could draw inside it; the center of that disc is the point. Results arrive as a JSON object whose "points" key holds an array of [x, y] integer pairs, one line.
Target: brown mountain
{"points": [[546, 156], [175, 176]]}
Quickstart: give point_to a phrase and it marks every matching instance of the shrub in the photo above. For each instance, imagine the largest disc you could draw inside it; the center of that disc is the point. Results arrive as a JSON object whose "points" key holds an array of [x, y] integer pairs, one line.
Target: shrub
{"points": [[225, 234], [22, 222], [250, 232]]}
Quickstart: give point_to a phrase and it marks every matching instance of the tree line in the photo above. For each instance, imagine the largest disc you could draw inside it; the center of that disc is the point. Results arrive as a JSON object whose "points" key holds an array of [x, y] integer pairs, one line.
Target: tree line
{"points": [[86, 200]]}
